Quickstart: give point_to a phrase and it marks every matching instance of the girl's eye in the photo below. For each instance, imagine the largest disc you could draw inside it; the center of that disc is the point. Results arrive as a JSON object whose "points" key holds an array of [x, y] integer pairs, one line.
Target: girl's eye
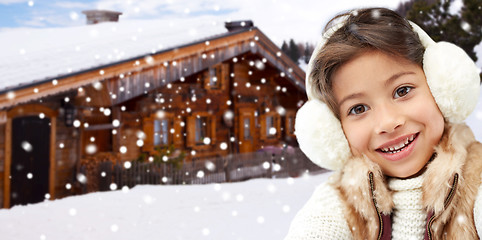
{"points": [[358, 109], [402, 91]]}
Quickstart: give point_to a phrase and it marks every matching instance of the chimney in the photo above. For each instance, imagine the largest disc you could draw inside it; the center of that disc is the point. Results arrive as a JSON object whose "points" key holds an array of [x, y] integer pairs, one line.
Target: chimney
{"points": [[238, 25], [98, 16]]}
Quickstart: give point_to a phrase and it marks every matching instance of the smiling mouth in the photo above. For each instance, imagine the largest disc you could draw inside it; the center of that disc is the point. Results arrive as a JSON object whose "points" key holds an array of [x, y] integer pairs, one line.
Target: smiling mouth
{"points": [[398, 147]]}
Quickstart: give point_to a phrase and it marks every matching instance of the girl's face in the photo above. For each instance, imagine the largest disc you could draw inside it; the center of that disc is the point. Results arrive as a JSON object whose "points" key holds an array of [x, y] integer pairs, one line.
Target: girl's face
{"points": [[388, 112]]}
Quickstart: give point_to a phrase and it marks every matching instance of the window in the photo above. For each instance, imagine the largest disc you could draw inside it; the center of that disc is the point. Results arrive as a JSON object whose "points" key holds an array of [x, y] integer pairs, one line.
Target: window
{"points": [[270, 126], [161, 132], [270, 129], [216, 77], [290, 123], [247, 128], [213, 78], [201, 130]]}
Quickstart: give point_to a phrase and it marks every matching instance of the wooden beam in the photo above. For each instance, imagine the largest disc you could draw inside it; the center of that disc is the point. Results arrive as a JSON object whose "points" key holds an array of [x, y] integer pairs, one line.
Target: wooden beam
{"points": [[7, 164], [52, 170]]}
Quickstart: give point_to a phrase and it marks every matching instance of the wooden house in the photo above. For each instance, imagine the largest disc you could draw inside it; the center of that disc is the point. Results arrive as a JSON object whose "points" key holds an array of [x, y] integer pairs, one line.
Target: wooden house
{"points": [[121, 90]]}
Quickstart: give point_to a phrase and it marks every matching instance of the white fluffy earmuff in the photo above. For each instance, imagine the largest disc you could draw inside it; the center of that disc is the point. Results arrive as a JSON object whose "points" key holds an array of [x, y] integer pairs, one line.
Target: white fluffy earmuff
{"points": [[453, 79]]}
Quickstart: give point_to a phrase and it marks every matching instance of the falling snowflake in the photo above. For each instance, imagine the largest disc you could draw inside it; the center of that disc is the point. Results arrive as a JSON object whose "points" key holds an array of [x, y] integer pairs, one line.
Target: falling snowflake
{"points": [[286, 208], [10, 95], [81, 178], [72, 212], [465, 26], [140, 143], [290, 181], [375, 14], [272, 131], [210, 166], [27, 146], [91, 148], [266, 165], [281, 110], [148, 199], [197, 209], [223, 146], [107, 112], [239, 198], [200, 174], [77, 123], [271, 188], [207, 141], [127, 165], [115, 123], [123, 149], [113, 186], [114, 228]]}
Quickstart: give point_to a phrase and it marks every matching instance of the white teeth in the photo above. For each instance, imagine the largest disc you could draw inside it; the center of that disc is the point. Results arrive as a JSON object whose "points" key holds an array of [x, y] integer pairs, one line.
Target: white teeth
{"points": [[396, 149]]}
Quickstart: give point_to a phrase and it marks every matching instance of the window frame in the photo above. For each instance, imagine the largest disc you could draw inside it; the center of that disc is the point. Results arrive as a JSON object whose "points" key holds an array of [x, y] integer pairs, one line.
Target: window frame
{"points": [[264, 128], [192, 130]]}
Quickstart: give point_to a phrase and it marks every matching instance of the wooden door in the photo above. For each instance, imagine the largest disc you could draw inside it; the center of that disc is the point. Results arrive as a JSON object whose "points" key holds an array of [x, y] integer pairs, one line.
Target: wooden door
{"points": [[246, 130], [30, 160]]}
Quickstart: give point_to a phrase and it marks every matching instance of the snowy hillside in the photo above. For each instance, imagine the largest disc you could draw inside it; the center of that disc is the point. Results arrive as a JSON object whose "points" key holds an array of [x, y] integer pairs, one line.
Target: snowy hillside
{"points": [[256, 209]]}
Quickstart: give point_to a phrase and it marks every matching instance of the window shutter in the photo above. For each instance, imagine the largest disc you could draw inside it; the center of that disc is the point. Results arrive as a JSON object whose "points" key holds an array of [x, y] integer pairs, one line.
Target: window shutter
{"points": [[263, 127], [213, 129], [224, 75], [205, 77], [191, 131], [277, 123], [148, 128], [178, 133]]}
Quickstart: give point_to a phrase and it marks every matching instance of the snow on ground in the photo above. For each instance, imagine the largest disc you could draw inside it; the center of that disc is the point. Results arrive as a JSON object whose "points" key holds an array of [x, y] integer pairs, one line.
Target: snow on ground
{"points": [[255, 209]]}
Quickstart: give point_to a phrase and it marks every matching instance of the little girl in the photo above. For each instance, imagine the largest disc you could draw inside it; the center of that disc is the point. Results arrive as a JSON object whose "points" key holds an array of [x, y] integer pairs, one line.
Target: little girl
{"points": [[385, 111]]}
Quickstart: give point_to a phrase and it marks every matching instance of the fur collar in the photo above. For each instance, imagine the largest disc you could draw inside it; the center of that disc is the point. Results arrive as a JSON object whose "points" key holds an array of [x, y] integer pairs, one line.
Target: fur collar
{"points": [[354, 185]]}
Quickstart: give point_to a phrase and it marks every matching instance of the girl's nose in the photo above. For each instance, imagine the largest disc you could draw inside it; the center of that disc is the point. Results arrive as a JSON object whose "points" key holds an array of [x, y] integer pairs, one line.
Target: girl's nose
{"points": [[389, 119]]}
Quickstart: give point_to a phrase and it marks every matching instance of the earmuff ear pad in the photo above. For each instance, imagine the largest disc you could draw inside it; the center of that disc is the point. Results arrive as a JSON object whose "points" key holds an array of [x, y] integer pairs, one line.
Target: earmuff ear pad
{"points": [[320, 135], [453, 79]]}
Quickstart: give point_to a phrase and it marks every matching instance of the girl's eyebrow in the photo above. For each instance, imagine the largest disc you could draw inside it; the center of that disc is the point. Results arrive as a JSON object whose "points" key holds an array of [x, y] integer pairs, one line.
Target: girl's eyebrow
{"points": [[351, 96], [395, 77]]}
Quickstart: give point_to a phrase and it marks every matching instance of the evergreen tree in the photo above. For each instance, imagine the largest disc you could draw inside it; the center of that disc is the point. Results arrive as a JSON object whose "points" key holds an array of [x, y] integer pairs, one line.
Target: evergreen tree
{"points": [[462, 29], [284, 48], [309, 48], [294, 53]]}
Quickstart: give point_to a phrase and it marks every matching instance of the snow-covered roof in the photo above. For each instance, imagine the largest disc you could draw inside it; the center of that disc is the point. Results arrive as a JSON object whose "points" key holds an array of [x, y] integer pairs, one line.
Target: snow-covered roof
{"points": [[32, 55]]}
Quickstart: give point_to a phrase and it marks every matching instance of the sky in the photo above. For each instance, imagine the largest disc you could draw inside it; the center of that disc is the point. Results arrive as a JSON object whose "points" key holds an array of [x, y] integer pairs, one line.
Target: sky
{"points": [[281, 20]]}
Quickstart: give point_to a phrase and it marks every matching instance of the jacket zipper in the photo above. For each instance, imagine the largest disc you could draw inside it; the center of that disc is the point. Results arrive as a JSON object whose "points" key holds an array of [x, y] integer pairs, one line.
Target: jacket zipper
{"points": [[380, 221], [447, 201]]}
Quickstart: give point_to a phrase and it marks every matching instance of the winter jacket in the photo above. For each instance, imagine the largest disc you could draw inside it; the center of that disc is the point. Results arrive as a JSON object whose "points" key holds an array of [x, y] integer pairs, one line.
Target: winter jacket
{"points": [[356, 203]]}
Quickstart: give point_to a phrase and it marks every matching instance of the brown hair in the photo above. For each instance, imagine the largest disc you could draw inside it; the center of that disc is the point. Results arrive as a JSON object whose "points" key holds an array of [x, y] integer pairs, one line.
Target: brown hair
{"points": [[363, 30]]}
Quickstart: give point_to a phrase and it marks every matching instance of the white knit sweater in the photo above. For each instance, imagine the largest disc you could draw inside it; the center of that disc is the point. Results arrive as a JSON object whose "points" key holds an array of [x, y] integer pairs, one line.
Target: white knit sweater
{"points": [[322, 216], [408, 217]]}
